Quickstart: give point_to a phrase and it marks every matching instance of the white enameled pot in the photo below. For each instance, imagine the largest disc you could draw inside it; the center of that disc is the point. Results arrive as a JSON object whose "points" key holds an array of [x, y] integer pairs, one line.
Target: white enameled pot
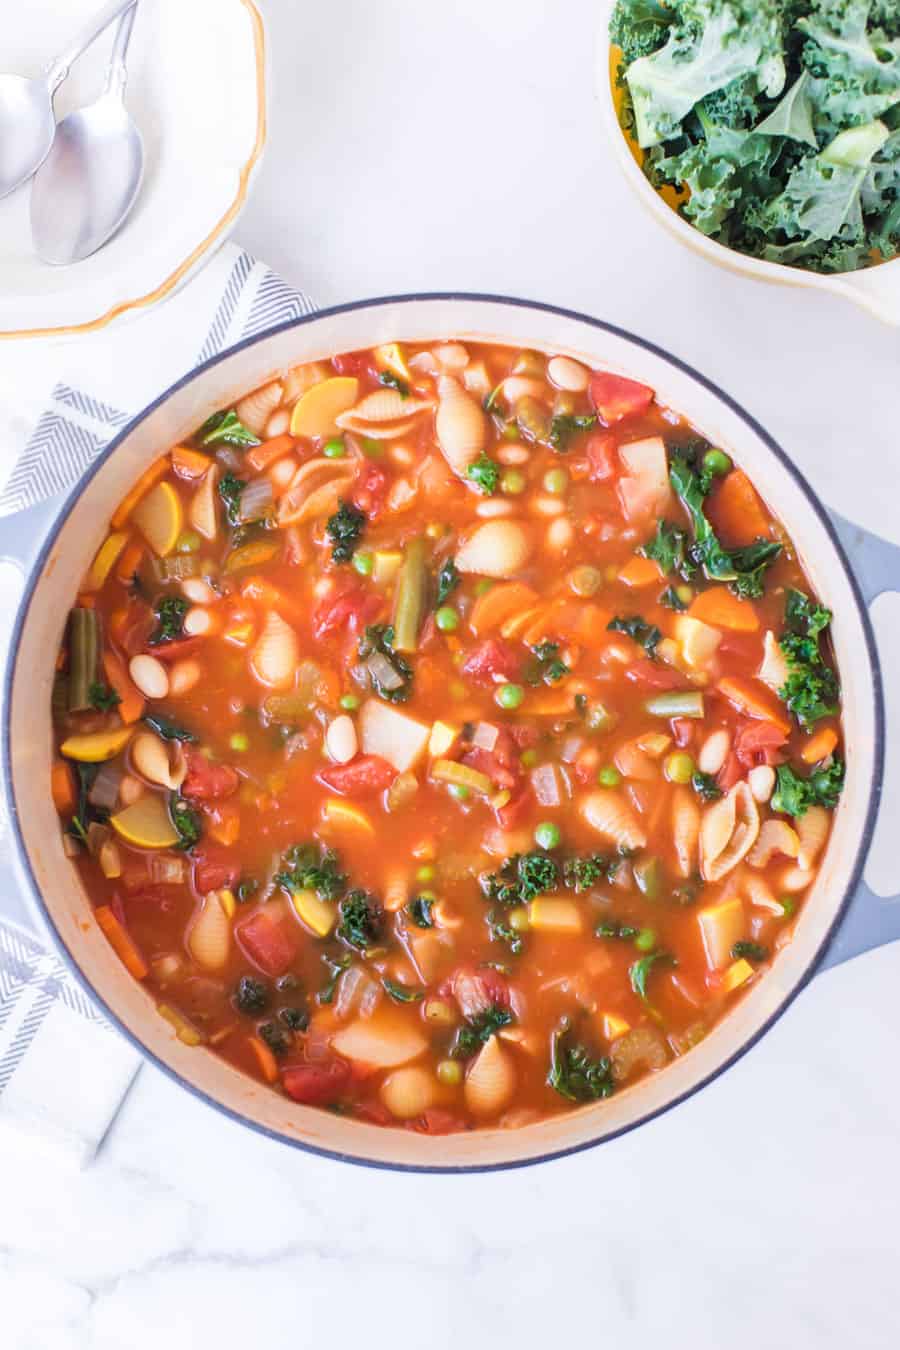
{"points": [[875, 289], [829, 922]]}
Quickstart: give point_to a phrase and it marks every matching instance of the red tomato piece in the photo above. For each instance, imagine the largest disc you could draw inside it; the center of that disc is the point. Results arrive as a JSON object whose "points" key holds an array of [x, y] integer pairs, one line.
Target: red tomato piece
{"points": [[477, 990], [364, 774], [731, 772], [602, 457], [268, 941], [174, 651], [491, 657], [162, 899], [758, 743], [351, 363], [214, 867], [316, 1084], [655, 676], [206, 781], [683, 731], [509, 815], [437, 1121], [616, 398], [369, 490], [486, 761], [353, 608]]}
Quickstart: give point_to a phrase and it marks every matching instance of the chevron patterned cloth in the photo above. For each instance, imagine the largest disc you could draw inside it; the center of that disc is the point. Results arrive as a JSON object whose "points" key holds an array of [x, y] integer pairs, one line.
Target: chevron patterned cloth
{"points": [[64, 1070]]}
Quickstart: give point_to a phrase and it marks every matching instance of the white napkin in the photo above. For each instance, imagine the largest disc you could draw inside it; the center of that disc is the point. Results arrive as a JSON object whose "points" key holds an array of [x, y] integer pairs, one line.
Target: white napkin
{"points": [[63, 1070]]}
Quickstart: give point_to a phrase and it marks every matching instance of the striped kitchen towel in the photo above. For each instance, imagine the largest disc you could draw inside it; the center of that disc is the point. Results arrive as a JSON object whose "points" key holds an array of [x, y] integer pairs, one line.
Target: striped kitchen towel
{"points": [[64, 1070]]}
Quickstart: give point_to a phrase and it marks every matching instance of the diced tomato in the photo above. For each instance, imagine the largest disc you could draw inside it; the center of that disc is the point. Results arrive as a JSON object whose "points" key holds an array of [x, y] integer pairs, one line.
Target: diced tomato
{"points": [[375, 1113], [174, 651], [509, 815], [655, 676], [206, 781], [159, 897], [486, 761], [268, 941], [683, 731], [428, 633], [353, 608], [491, 657], [731, 772], [616, 398], [351, 363], [746, 646], [319, 1084], [437, 1121], [369, 490], [525, 735], [364, 774], [602, 457], [214, 867], [758, 742], [476, 991], [134, 627]]}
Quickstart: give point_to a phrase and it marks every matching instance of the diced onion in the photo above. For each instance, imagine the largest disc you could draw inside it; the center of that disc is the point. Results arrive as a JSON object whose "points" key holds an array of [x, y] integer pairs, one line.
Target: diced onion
{"points": [[571, 749], [383, 673], [104, 791], [166, 870], [256, 499], [546, 785], [485, 736]]}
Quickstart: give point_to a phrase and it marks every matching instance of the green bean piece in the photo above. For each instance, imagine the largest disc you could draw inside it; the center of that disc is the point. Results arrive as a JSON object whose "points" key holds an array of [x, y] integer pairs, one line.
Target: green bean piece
{"points": [[409, 602], [678, 703], [84, 652]]}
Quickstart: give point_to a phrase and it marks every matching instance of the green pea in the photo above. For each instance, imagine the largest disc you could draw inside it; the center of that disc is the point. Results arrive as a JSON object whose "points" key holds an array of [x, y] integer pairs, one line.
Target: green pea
{"points": [[188, 542], [519, 921], [450, 1072], [459, 792], [512, 482], [447, 619], [685, 594], [528, 759], [425, 873], [788, 906], [716, 462], [546, 835], [334, 449], [510, 696], [556, 481], [371, 448], [609, 776], [363, 564], [239, 741], [349, 702], [679, 767], [645, 940]]}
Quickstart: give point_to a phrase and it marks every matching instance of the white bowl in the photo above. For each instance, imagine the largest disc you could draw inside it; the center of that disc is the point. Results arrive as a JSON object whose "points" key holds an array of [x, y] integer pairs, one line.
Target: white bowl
{"points": [[73, 540], [197, 91], [876, 289]]}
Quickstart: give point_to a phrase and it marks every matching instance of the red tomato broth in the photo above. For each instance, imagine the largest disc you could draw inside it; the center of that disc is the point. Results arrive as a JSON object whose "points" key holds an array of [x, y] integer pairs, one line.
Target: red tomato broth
{"points": [[260, 783]]}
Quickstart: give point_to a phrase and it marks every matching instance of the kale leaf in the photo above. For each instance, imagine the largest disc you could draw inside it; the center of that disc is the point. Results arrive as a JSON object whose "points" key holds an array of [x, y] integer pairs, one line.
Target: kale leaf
{"points": [[742, 568], [186, 822], [705, 786], [670, 599], [795, 795], [311, 867], [230, 489], [612, 928], [750, 951], [573, 1073], [448, 580], [645, 634], [419, 911], [547, 668], [362, 920], [520, 879], [580, 874], [392, 381], [669, 548], [501, 931], [226, 428], [564, 426], [336, 967], [379, 638], [478, 1030], [170, 611], [811, 690], [344, 529], [167, 728], [639, 971], [485, 473], [399, 992]]}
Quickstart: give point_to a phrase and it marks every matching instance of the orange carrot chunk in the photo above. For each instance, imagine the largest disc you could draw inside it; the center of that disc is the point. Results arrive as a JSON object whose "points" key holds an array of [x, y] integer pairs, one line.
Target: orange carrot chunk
{"points": [[140, 490], [62, 787], [264, 454], [736, 512], [266, 1060], [121, 942], [189, 463], [639, 572], [819, 746], [754, 700], [131, 702], [499, 604], [719, 608]]}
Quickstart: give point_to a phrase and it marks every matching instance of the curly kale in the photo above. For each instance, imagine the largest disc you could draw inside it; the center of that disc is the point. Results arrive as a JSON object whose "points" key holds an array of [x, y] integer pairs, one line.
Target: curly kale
{"points": [[226, 428], [344, 529], [186, 822], [639, 27], [547, 668], [448, 580], [581, 874], [310, 867], [795, 795], [485, 474], [362, 920], [565, 426], [574, 1074], [811, 690], [743, 568], [669, 548], [705, 786], [101, 697], [170, 611], [501, 931], [520, 879], [645, 634], [392, 381], [230, 489], [419, 910], [478, 1030]]}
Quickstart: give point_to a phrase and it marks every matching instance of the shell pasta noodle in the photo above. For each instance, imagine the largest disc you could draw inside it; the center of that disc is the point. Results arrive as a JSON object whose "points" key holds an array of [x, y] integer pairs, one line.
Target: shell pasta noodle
{"points": [[447, 735]]}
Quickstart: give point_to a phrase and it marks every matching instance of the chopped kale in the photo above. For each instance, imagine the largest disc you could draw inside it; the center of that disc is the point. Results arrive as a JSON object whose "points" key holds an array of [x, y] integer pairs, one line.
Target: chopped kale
{"points": [[275, 1037], [566, 425], [573, 1073], [362, 920], [639, 971], [392, 381], [501, 931], [251, 995], [101, 697], [448, 580], [705, 786], [399, 992], [669, 548], [742, 568], [170, 611], [646, 635], [226, 428], [310, 867], [804, 616], [230, 489], [520, 879], [295, 1019], [485, 473], [186, 822], [168, 729], [380, 638], [670, 599], [611, 928], [795, 795], [546, 668], [85, 812], [344, 529], [811, 690], [750, 951], [419, 911], [580, 874], [478, 1030], [336, 967]]}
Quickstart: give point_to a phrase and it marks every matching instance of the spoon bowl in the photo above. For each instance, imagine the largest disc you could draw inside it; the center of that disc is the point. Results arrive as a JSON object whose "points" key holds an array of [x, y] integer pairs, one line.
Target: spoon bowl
{"points": [[26, 128]]}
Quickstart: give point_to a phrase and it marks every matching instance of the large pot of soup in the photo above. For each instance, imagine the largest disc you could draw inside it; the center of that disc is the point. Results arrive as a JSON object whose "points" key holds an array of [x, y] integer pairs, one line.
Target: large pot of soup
{"points": [[445, 732]]}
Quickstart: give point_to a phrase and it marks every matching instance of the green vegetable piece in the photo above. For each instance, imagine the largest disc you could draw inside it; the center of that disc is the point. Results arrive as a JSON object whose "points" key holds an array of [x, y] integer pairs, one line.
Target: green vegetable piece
{"points": [[334, 449], [362, 920], [420, 911], [608, 776], [546, 835], [478, 1031], [668, 548], [84, 655], [102, 697], [564, 427], [750, 951], [446, 619], [645, 940], [410, 597], [344, 529], [399, 993], [336, 966], [512, 482], [363, 563], [582, 874], [811, 690], [794, 795], [392, 381], [520, 879], [170, 611], [226, 428], [251, 995], [645, 634], [547, 668], [503, 931], [611, 928], [573, 1073], [379, 638], [509, 696], [716, 463], [705, 786], [311, 867], [743, 568], [230, 488], [168, 729], [485, 473], [792, 115], [639, 971], [448, 580], [186, 822], [648, 876]]}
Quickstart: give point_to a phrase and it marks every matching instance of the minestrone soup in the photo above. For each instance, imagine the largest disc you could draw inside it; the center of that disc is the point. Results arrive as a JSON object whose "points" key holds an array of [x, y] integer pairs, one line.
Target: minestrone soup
{"points": [[447, 735]]}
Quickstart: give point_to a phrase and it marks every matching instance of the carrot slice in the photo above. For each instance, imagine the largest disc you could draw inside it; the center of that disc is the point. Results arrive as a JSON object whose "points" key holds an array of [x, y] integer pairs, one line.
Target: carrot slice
{"points": [[266, 1060], [718, 607], [736, 512], [62, 787], [189, 463], [264, 454], [819, 746], [130, 560], [499, 604], [639, 572], [140, 490], [754, 700], [121, 942], [131, 705]]}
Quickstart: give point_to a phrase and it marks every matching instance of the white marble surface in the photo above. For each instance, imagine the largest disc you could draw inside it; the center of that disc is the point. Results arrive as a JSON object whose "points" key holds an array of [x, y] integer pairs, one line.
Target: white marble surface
{"points": [[418, 146]]}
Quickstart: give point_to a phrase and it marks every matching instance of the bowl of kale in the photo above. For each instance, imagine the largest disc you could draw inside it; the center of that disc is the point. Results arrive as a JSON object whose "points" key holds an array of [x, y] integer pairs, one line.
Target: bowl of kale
{"points": [[766, 134]]}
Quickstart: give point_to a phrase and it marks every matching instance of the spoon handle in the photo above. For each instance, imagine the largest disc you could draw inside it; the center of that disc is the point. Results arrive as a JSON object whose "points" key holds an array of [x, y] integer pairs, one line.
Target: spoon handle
{"points": [[117, 71], [59, 69]]}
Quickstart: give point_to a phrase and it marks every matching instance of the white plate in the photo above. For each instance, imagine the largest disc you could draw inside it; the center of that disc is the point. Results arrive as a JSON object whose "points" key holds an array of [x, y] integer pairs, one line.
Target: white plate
{"points": [[197, 91]]}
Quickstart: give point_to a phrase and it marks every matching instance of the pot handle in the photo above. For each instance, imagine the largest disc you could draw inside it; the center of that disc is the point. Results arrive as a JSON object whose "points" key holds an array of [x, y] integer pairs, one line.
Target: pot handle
{"points": [[870, 920]]}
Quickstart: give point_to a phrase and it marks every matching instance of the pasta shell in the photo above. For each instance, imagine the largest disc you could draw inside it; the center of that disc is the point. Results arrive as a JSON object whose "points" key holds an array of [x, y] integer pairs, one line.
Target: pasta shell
{"points": [[460, 424], [385, 405], [315, 490], [727, 832], [159, 762], [297, 381], [759, 893], [491, 1081], [775, 836], [377, 431], [774, 668], [685, 831], [633, 762], [606, 811], [209, 939], [203, 512], [408, 1092], [452, 356], [499, 548], [276, 655], [812, 829], [254, 410]]}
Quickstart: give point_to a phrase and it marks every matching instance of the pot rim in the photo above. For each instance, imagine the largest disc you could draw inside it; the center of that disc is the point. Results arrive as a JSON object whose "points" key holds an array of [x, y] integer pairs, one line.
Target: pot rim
{"points": [[469, 297]]}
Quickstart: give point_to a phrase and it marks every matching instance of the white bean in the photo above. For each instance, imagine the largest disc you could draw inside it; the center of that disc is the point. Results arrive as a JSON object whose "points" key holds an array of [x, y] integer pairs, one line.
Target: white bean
{"points": [[547, 506], [197, 621], [560, 534], [199, 592], [762, 782], [495, 507], [513, 454], [568, 374], [713, 751], [183, 676], [149, 675], [278, 424], [452, 356], [281, 472], [341, 740]]}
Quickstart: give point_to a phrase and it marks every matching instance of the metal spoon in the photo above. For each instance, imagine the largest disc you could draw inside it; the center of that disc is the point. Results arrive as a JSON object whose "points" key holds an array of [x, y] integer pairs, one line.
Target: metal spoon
{"points": [[88, 183], [26, 106]]}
